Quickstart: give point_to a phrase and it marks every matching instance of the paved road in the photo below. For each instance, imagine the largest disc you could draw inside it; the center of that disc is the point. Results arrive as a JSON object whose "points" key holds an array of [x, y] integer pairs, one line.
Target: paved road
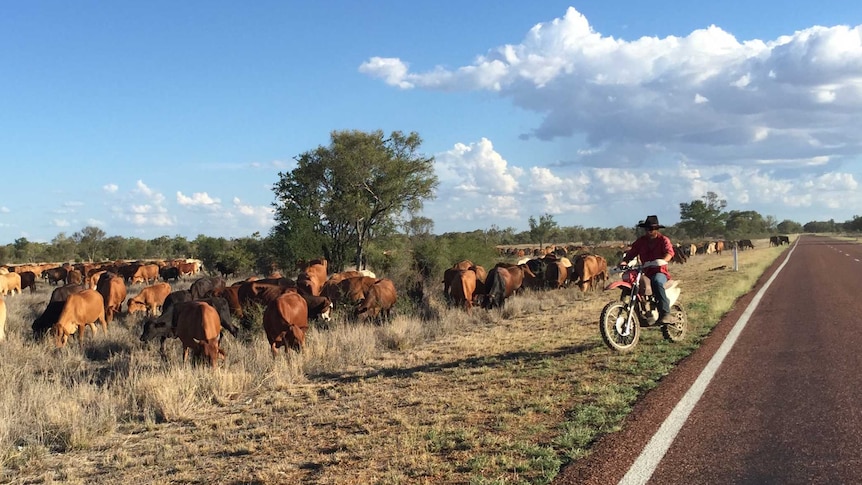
{"points": [[783, 406]]}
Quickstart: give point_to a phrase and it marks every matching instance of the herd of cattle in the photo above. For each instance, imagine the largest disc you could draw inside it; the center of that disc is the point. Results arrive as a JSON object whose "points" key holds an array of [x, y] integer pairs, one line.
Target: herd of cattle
{"points": [[198, 316], [91, 294], [466, 284]]}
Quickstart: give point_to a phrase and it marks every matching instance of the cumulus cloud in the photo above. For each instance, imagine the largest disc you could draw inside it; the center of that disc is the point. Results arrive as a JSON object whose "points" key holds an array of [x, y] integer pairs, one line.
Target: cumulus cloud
{"points": [[261, 216], [111, 188], [198, 199], [764, 122], [4, 210], [706, 95]]}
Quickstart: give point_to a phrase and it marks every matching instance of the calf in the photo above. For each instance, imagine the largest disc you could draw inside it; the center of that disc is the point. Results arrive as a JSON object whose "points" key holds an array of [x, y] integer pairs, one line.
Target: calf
{"points": [[150, 299]]}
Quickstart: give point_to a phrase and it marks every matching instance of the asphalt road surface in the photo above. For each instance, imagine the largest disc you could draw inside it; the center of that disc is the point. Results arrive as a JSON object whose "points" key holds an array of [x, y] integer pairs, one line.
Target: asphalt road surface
{"points": [[774, 395]]}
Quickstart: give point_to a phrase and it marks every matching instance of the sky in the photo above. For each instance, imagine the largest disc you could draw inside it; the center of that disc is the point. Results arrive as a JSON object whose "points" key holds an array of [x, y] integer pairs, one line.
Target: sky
{"points": [[166, 118]]}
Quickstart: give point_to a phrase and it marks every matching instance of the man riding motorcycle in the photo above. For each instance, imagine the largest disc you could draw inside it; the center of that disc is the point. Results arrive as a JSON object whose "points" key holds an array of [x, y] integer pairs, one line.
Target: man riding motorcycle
{"points": [[656, 248]]}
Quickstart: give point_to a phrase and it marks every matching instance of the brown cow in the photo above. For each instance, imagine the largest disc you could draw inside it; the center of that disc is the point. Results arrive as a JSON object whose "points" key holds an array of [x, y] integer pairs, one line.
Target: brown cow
{"points": [[81, 309], [352, 289], [196, 324], [231, 295], [452, 272], [312, 276], [93, 279], [378, 302], [147, 274], [586, 271], [285, 321], [150, 299], [186, 269], [49, 317], [113, 290], [10, 282], [463, 289]]}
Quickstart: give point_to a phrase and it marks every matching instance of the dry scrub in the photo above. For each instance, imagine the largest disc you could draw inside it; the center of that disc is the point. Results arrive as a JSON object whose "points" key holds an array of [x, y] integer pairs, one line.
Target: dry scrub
{"points": [[492, 397]]}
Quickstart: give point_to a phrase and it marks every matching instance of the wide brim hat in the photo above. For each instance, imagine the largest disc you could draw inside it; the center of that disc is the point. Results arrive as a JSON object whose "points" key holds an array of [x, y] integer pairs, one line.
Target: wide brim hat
{"points": [[651, 222]]}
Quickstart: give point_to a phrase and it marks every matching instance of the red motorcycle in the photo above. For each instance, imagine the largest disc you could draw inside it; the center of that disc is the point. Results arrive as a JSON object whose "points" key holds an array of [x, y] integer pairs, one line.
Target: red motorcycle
{"points": [[637, 307]]}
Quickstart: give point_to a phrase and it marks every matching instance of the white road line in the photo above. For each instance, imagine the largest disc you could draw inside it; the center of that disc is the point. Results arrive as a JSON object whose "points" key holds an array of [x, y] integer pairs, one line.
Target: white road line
{"points": [[645, 464]]}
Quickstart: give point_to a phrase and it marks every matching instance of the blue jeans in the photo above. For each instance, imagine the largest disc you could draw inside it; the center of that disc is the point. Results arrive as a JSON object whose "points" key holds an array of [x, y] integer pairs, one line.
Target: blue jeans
{"points": [[658, 280]]}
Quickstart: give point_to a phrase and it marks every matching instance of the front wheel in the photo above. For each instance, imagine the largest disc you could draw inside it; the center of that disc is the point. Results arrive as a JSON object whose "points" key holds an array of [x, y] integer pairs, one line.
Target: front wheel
{"points": [[618, 333], [676, 332]]}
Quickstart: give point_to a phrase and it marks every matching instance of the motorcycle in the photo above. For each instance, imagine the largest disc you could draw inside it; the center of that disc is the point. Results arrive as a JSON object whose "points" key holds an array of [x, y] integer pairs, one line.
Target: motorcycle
{"points": [[621, 320]]}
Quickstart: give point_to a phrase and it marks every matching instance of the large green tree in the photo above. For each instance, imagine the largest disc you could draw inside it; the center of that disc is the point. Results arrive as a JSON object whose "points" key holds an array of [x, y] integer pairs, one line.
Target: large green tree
{"points": [[703, 217], [89, 240], [746, 223], [360, 184], [543, 229]]}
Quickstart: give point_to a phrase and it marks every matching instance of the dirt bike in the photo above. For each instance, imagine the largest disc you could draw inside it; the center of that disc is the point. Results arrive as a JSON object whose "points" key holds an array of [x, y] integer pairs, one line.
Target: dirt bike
{"points": [[637, 307]]}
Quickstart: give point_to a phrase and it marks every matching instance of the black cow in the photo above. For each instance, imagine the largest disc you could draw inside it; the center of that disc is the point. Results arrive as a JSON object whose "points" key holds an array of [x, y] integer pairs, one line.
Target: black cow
{"points": [[183, 296], [28, 278], [169, 273], [744, 244], [55, 275], [205, 286], [783, 240]]}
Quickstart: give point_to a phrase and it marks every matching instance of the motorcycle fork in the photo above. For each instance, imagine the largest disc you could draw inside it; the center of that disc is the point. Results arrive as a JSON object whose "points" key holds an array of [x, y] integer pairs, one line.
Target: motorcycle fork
{"points": [[630, 301]]}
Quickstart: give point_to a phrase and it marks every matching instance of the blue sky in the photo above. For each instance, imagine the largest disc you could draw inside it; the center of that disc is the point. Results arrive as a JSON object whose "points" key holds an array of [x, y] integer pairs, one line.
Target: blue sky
{"points": [[175, 118]]}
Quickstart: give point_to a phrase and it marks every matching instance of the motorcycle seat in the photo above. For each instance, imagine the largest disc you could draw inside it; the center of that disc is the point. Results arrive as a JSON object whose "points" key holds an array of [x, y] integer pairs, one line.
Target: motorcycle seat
{"points": [[671, 284]]}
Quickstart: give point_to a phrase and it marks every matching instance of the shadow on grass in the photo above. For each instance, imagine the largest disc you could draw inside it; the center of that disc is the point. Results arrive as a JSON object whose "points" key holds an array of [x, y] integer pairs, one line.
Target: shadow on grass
{"points": [[537, 358]]}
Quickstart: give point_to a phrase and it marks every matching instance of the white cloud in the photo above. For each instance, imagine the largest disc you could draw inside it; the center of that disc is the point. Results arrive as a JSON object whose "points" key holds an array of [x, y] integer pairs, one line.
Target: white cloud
{"points": [[5, 209], [111, 188], [60, 223], [261, 216], [622, 96], [198, 199]]}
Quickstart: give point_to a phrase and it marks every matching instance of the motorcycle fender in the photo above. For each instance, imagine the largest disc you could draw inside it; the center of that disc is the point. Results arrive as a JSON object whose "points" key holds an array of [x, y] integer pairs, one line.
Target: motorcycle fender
{"points": [[618, 284]]}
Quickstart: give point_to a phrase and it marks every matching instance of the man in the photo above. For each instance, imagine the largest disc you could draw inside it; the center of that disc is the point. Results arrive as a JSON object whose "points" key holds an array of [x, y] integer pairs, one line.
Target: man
{"points": [[656, 248]]}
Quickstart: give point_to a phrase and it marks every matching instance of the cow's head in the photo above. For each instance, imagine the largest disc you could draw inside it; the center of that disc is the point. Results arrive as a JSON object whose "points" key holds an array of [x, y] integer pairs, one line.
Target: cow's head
{"points": [[136, 305], [156, 328]]}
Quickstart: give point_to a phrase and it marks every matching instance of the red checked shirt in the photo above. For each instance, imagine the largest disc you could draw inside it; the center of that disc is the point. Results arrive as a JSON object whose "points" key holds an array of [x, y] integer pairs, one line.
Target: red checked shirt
{"points": [[649, 249]]}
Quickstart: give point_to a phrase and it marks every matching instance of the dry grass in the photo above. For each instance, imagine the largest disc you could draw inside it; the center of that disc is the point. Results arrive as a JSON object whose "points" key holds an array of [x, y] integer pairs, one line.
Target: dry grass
{"points": [[494, 397]]}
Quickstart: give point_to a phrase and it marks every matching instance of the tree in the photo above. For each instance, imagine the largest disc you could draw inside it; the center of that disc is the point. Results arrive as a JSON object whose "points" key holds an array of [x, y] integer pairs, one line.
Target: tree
{"points": [[540, 230], [362, 183], [89, 241], [703, 217], [746, 223], [789, 227]]}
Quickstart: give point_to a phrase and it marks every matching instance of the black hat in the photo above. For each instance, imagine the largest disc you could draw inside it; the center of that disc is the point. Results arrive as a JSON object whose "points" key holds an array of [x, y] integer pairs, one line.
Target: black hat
{"points": [[651, 222]]}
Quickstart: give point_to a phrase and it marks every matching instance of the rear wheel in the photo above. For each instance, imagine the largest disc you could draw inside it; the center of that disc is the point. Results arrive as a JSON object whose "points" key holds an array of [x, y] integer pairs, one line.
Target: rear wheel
{"points": [[616, 333], [676, 332]]}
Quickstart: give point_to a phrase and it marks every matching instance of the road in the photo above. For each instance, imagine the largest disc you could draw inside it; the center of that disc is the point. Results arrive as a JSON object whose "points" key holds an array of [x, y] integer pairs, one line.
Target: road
{"points": [[781, 407]]}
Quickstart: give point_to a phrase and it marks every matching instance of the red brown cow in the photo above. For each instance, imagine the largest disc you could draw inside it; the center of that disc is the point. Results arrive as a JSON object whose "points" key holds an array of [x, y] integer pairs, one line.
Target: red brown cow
{"points": [[196, 324], [463, 289], [150, 299], [147, 274], [312, 276], [378, 302], [113, 290], [49, 317], [285, 321], [81, 309], [587, 271], [231, 295]]}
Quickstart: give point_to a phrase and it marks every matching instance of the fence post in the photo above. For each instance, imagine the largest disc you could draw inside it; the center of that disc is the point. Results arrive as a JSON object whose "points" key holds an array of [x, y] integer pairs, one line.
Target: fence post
{"points": [[735, 258]]}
